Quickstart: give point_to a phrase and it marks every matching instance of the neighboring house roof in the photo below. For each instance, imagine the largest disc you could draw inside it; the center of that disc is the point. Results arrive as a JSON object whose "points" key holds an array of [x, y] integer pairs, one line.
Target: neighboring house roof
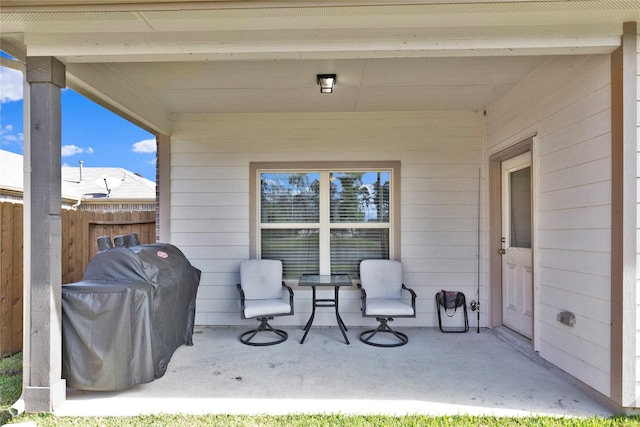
{"points": [[99, 183], [11, 171], [83, 183]]}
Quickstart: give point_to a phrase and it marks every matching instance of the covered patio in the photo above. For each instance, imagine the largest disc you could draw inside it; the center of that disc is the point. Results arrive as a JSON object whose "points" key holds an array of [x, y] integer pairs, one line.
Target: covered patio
{"points": [[437, 374], [439, 96]]}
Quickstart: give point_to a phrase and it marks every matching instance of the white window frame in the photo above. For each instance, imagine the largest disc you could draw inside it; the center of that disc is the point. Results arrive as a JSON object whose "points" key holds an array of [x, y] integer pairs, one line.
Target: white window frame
{"points": [[324, 225]]}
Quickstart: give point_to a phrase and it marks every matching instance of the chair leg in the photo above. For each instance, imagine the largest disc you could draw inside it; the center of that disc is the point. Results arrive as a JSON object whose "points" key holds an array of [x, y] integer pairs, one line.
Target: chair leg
{"points": [[463, 329], [366, 336], [263, 327]]}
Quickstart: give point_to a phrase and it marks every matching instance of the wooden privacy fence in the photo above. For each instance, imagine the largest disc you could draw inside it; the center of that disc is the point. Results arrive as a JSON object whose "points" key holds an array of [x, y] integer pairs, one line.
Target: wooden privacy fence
{"points": [[10, 278], [80, 231]]}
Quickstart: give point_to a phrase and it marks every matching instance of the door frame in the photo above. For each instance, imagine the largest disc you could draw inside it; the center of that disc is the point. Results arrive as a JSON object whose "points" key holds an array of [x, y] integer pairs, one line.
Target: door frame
{"points": [[495, 229]]}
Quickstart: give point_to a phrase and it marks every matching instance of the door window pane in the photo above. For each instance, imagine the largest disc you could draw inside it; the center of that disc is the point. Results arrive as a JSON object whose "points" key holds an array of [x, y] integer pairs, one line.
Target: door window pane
{"points": [[520, 218]]}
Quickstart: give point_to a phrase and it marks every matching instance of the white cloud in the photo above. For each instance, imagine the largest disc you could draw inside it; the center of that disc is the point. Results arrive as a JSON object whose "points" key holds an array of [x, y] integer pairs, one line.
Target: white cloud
{"points": [[145, 146], [71, 150], [9, 137], [10, 85]]}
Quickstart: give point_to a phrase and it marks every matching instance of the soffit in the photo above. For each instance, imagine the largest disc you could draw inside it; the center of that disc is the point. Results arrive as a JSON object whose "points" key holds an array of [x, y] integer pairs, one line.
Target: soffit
{"points": [[153, 59], [163, 16]]}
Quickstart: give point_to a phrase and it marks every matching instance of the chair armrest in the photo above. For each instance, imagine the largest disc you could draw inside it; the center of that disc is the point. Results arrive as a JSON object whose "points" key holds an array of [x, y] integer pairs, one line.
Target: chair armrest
{"points": [[284, 286], [363, 297], [241, 299], [413, 296], [363, 293]]}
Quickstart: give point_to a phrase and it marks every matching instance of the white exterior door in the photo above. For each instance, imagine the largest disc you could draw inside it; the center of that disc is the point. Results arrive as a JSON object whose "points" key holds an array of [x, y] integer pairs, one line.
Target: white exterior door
{"points": [[517, 277]]}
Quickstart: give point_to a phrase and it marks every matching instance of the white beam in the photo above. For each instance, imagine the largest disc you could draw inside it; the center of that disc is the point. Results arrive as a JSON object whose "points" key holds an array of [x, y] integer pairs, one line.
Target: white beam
{"points": [[100, 84], [325, 43]]}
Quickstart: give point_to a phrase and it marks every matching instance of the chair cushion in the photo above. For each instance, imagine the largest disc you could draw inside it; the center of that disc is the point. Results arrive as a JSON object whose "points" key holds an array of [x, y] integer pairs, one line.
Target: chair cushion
{"points": [[388, 308], [381, 278], [261, 279], [270, 307]]}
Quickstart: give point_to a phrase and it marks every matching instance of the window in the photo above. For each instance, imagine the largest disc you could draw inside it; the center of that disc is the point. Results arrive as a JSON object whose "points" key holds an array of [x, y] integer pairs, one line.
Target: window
{"points": [[324, 218]]}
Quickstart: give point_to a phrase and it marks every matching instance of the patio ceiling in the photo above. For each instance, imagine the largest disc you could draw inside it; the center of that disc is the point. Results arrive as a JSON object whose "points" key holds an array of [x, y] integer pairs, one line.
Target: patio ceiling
{"points": [[148, 62], [280, 86]]}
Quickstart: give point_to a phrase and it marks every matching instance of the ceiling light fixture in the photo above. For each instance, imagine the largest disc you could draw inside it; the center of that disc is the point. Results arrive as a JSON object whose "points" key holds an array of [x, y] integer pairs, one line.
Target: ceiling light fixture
{"points": [[326, 82]]}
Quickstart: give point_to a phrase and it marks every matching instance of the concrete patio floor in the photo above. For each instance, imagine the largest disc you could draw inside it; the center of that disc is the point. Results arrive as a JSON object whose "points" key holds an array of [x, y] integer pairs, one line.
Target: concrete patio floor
{"points": [[436, 374]]}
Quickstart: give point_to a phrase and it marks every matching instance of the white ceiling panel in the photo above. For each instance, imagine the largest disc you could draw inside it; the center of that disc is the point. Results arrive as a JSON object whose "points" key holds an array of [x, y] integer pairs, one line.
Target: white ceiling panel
{"points": [[362, 85]]}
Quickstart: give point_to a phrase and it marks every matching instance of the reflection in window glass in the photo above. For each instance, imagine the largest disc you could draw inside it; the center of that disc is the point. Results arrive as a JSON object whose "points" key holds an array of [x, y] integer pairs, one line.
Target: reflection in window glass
{"points": [[520, 221], [289, 197], [298, 249], [349, 246], [353, 225], [359, 196]]}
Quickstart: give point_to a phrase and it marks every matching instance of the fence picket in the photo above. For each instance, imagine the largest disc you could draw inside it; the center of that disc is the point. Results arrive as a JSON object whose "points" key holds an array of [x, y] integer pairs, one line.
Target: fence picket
{"points": [[80, 230]]}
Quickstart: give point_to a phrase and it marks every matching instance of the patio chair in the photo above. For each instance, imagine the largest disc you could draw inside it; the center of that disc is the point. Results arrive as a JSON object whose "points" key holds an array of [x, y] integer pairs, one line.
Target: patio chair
{"points": [[381, 288], [261, 297]]}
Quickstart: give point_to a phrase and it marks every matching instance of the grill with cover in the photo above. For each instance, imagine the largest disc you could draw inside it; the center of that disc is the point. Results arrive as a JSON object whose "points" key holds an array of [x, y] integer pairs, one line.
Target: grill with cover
{"points": [[122, 323]]}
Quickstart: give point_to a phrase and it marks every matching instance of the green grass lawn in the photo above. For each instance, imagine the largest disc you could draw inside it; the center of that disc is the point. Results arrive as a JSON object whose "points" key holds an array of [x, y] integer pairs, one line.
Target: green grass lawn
{"points": [[11, 387], [10, 384], [324, 420]]}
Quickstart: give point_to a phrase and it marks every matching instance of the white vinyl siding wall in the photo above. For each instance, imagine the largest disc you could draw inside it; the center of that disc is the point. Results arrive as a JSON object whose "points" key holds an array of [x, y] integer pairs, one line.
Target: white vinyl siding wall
{"points": [[440, 155], [567, 103]]}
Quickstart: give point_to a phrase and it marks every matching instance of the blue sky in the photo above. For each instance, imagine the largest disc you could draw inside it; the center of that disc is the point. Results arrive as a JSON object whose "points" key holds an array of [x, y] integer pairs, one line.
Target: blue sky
{"points": [[90, 132]]}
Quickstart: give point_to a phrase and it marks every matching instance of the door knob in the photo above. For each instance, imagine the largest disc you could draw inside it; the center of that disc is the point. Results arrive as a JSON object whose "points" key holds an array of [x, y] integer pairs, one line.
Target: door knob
{"points": [[502, 251]]}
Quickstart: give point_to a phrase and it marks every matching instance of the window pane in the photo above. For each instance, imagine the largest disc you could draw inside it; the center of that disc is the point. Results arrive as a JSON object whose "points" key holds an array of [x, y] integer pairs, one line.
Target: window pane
{"points": [[297, 249], [289, 197], [359, 196], [520, 188], [350, 246]]}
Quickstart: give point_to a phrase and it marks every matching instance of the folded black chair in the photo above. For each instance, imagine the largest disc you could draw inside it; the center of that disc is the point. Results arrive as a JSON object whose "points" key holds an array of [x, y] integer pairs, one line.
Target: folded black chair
{"points": [[260, 288], [381, 288], [452, 300]]}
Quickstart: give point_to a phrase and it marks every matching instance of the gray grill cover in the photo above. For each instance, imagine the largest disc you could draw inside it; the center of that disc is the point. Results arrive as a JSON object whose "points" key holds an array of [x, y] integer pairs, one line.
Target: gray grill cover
{"points": [[122, 323]]}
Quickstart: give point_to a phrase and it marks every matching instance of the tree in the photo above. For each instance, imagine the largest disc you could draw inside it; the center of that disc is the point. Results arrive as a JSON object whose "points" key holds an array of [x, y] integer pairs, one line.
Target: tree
{"points": [[349, 197]]}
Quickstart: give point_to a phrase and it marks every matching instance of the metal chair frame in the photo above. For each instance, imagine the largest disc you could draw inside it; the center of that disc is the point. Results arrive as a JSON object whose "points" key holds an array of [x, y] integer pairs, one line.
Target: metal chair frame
{"points": [[366, 336], [449, 330], [264, 322]]}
